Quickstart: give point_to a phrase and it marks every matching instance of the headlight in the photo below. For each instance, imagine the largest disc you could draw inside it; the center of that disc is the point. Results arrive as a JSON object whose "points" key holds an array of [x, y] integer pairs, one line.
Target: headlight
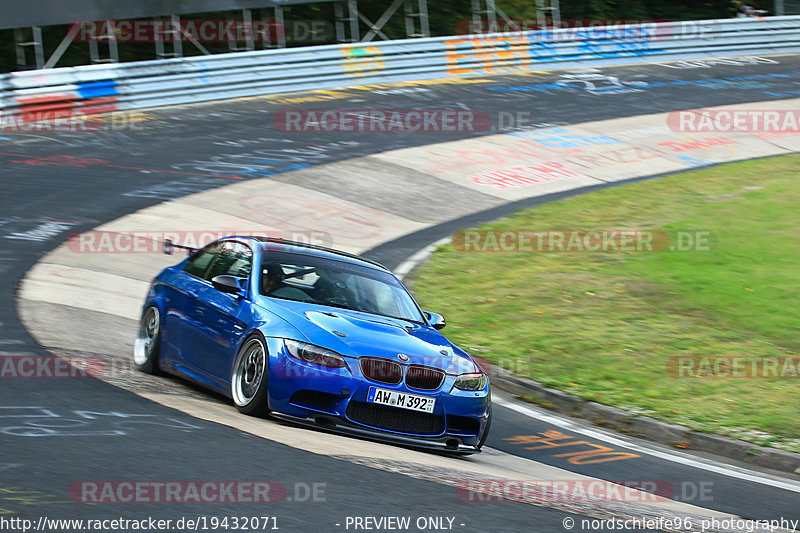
{"points": [[313, 354], [471, 382]]}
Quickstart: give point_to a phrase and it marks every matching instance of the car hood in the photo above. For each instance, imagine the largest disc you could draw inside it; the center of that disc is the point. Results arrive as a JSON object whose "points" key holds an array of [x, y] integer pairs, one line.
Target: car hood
{"points": [[357, 334]]}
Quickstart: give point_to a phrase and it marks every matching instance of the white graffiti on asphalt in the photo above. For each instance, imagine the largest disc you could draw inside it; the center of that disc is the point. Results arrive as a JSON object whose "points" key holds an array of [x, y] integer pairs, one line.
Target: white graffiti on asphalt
{"points": [[36, 421], [266, 162], [596, 83], [729, 61], [47, 229]]}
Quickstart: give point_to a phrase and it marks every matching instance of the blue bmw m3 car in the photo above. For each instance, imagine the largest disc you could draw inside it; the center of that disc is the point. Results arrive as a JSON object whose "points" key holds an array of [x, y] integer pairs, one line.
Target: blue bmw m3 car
{"points": [[314, 336]]}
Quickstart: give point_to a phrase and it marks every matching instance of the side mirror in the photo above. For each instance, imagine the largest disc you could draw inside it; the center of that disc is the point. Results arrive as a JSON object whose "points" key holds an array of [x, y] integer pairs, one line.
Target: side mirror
{"points": [[167, 247], [228, 284], [437, 321]]}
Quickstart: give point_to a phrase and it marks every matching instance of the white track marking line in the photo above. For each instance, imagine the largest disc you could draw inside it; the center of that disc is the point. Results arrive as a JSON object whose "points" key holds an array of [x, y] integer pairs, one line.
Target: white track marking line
{"points": [[409, 264], [717, 468]]}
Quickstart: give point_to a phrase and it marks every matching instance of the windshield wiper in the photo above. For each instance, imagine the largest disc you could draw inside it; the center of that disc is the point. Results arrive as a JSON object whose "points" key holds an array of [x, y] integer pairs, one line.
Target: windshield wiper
{"points": [[340, 306], [360, 310], [369, 312]]}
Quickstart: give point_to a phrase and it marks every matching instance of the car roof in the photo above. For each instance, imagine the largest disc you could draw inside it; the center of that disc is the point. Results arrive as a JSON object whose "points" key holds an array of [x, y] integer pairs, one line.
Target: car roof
{"points": [[275, 244]]}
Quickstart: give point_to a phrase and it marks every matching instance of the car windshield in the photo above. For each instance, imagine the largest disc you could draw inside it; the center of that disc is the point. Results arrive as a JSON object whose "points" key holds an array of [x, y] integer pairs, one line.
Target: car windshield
{"points": [[317, 280]]}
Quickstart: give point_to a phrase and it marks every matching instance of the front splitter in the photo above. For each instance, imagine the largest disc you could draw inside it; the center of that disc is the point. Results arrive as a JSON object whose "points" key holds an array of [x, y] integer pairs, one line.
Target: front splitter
{"points": [[336, 425]]}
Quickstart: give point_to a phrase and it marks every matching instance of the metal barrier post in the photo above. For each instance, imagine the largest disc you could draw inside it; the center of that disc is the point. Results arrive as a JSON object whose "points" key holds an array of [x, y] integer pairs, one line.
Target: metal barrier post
{"points": [[109, 37], [345, 22], [173, 30], [35, 42]]}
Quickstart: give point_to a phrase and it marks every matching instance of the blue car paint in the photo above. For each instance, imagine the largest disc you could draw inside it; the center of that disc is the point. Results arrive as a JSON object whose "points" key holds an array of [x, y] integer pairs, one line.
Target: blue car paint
{"points": [[203, 330]]}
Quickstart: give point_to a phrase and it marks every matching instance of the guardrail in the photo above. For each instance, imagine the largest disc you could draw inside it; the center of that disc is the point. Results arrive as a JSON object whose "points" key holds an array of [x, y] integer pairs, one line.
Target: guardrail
{"points": [[102, 88]]}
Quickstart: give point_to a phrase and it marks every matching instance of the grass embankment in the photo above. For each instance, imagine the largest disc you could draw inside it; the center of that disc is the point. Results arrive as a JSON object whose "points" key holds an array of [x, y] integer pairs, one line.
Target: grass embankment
{"points": [[603, 326]]}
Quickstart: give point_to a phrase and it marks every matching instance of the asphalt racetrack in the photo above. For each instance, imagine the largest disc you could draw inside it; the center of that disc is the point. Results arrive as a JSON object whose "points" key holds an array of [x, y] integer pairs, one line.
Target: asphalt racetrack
{"points": [[57, 435]]}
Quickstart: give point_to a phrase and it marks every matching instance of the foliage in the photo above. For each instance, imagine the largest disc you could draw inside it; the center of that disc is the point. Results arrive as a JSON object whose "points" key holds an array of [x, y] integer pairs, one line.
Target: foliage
{"points": [[446, 17]]}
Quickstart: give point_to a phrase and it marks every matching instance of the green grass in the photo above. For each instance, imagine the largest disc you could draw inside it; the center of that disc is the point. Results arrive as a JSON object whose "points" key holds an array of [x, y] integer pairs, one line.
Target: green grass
{"points": [[603, 325]]}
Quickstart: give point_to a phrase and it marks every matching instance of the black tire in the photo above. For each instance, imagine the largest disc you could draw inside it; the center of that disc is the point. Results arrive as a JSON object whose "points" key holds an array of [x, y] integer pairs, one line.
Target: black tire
{"points": [[249, 378], [486, 430], [148, 341]]}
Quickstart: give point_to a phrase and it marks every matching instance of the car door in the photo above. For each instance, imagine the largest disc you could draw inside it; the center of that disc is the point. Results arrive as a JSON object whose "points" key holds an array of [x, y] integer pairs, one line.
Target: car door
{"points": [[183, 287], [216, 320]]}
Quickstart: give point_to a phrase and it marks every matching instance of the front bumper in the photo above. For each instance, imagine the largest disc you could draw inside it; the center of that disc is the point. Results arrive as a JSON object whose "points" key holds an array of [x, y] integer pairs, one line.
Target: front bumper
{"points": [[335, 399]]}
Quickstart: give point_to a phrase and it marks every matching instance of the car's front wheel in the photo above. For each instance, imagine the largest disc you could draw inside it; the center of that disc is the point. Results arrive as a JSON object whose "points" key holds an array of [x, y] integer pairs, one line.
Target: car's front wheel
{"points": [[249, 378], [147, 344]]}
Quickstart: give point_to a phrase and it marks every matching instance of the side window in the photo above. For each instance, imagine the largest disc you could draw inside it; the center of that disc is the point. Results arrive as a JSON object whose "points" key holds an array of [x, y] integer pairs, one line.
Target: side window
{"points": [[234, 259], [198, 264]]}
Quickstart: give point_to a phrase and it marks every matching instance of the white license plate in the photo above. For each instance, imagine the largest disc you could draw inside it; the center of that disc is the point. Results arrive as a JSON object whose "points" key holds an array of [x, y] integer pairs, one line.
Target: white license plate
{"points": [[401, 399]]}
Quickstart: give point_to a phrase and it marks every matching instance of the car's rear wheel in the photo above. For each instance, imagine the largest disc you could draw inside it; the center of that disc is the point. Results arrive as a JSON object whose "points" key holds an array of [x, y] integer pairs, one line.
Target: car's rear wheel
{"points": [[147, 345], [249, 378]]}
